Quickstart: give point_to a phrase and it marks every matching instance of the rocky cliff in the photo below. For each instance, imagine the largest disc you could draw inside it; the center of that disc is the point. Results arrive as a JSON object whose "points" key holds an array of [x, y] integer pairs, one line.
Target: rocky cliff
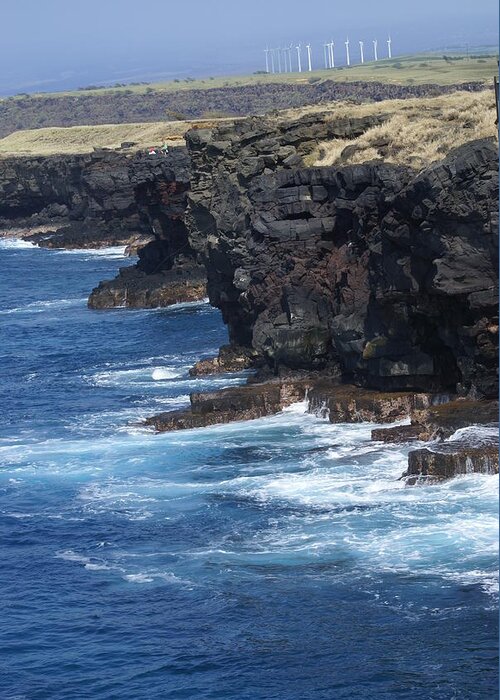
{"points": [[376, 272], [111, 198], [111, 193]]}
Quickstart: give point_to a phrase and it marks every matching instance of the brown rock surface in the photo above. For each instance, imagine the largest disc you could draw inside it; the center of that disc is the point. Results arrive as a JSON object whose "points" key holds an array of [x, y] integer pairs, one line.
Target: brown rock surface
{"points": [[451, 459], [351, 404], [398, 433], [230, 359], [234, 404]]}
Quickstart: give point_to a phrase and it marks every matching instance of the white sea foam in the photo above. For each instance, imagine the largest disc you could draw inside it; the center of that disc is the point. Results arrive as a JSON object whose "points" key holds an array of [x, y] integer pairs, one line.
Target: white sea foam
{"points": [[136, 376], [475, 432], [118, 564], [181, 305], [331, 496], [171, 400], [110, 252], [138, 578], [37, 307], [177, 376], [160, 373], [15, 243]]}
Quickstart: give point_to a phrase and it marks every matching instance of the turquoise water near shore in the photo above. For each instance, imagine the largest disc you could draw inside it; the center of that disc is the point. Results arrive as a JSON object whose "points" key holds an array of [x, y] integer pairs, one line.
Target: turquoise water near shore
{"points": [[279, 558]]}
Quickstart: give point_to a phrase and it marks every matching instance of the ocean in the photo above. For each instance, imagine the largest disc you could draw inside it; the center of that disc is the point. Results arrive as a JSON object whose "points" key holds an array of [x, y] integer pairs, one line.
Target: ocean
{"points": [[279, 558]]}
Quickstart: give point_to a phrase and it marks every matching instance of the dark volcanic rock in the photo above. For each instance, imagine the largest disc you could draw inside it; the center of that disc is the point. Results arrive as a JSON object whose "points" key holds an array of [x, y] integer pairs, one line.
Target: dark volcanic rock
{"points": [[387, 273], [134, 288], [442, 420], [230, 359], [110, 198], [127, 106], [233, 404], [399, 433], [104, 186]]}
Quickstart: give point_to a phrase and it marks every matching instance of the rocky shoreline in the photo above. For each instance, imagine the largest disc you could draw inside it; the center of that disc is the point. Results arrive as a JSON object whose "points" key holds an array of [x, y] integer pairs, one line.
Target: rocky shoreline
{"points": [[434, 418], [376, 283], [109, 198], [371, 289]]}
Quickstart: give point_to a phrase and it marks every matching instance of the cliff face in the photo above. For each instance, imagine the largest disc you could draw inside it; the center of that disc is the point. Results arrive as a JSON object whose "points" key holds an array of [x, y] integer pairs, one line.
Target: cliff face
{"points": [[108, 192], [384, 274], [110, 198]]}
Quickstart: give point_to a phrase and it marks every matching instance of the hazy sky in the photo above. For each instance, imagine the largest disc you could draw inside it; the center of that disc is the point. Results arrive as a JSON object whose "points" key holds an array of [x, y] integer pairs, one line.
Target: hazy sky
{"points": [[51, 44]]}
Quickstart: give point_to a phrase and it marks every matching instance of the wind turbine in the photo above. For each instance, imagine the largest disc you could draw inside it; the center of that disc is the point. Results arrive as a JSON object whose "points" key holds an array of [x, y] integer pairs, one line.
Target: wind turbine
{"points": [[308, 47], [272, 60], [299, 62], [290, 49], [389, 51], [325, 47], [279, 59], [361, 46], [375, 54], [266, 51], [348, 58], [332, 57]]}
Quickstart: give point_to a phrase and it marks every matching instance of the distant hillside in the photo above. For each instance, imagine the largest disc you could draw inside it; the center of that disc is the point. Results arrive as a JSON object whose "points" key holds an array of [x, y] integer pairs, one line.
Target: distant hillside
{"points": [[121, 108]]}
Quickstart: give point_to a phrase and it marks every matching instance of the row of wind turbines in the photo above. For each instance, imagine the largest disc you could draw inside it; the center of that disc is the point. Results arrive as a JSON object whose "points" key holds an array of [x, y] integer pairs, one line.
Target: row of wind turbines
{"points": [[280, 60]]}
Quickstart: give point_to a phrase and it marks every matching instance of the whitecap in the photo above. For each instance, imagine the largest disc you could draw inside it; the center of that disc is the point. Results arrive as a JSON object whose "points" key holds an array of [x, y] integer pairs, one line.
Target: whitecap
{"points": [[110, 252], [15, 243], [165, 373], [181, 305], [138, 578], [37, 307]]}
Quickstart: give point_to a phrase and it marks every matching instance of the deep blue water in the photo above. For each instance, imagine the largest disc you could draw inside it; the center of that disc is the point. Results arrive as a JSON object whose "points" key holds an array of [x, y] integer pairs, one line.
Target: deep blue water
{"points": [[280, 558]]}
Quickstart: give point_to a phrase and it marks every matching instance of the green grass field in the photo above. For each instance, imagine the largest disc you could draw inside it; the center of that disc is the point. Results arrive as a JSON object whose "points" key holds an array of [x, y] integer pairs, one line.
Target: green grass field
{"points": [[402, 70]]}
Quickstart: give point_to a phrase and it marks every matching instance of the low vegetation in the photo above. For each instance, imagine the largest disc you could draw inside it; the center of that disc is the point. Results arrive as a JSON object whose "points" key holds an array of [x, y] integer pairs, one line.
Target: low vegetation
{"points": [[84, 139], [417, 132]]}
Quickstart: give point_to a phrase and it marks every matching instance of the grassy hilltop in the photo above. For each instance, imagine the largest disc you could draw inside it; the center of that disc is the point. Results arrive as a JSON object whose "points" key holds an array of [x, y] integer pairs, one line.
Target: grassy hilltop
{"points": [[78, 121], [238, 96], [418, 131], [83, 139]]}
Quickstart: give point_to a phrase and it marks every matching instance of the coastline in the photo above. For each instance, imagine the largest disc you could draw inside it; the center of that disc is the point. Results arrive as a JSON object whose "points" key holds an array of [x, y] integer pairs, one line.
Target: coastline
{"points": [[249, 343]]}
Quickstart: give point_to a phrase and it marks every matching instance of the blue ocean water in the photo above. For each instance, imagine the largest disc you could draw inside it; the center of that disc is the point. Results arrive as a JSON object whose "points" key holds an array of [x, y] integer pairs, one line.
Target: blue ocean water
{"points": [[279, 558]]}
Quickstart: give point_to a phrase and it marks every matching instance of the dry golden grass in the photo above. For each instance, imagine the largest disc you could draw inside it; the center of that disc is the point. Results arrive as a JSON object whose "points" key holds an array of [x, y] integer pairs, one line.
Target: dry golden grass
{"points": [[83, 139], [418, 131]]}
